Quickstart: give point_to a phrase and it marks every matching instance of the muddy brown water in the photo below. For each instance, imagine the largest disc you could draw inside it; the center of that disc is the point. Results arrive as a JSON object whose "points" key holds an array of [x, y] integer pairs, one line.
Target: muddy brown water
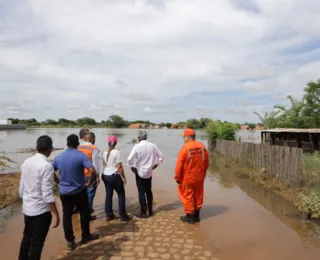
{"points": [[240, 219]]}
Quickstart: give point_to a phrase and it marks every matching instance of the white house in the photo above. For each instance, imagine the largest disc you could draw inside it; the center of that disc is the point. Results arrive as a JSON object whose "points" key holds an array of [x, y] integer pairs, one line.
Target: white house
{"points": [[5, 122]]}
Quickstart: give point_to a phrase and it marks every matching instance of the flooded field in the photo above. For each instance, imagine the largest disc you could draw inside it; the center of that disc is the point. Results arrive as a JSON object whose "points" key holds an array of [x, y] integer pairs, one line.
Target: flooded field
{"points": [[240, 219]]}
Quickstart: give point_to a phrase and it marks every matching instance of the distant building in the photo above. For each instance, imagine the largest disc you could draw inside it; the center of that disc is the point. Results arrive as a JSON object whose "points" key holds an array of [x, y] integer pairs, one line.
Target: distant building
{"points": [[137, 126], [7, 125], [246, 127]]}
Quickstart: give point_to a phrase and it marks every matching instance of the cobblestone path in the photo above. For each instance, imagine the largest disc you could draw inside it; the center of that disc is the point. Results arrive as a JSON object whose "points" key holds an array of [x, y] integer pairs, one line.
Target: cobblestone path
{"points": [[160, 237]]}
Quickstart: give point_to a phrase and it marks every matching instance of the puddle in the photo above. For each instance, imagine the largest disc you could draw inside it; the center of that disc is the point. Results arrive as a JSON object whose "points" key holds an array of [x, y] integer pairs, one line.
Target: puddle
{"points": [[6, 214], [283, 209]]}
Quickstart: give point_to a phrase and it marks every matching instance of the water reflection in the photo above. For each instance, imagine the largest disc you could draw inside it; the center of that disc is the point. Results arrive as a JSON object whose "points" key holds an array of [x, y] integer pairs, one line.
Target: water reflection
{"points": [[8, 213], [274, 203]]}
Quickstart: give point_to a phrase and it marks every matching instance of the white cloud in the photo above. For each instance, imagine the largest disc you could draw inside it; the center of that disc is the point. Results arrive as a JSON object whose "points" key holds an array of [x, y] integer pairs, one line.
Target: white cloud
{"points": [[96, 58]]}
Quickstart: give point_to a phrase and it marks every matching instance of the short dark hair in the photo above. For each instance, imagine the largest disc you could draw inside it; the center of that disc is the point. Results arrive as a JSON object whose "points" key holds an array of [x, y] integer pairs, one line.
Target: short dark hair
{"points": [[73, 141], [83, 132], [44, 143], [91, 134]]}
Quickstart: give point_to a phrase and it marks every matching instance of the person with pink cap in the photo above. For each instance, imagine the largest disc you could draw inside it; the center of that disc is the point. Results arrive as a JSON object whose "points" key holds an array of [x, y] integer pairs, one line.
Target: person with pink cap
{"points": [[114, 180]]}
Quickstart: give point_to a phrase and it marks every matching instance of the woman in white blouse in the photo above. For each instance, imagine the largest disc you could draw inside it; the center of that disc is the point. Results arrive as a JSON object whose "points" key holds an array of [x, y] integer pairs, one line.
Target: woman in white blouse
{"points": [[114, 180]]}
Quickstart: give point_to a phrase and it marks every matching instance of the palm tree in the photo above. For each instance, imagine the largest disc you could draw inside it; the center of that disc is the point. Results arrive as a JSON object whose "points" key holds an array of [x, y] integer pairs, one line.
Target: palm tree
{"points": [[269, 120]]}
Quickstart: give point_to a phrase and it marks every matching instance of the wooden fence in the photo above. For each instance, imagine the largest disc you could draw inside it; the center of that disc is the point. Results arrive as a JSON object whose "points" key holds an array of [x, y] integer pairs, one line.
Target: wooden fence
{"points": [[281, 162]]}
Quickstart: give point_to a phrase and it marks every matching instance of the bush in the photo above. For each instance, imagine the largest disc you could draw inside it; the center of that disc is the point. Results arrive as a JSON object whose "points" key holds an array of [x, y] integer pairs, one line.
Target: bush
{"points": [[310, 204], [219, 130]]}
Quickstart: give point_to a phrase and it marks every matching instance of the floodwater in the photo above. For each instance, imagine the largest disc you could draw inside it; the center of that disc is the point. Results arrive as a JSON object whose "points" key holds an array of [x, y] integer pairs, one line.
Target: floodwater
{"points": [[240, 219]]}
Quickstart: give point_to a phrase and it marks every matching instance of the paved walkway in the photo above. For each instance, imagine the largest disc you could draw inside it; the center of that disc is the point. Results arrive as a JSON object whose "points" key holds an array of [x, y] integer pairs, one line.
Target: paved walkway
{"points": [[160, 237]]}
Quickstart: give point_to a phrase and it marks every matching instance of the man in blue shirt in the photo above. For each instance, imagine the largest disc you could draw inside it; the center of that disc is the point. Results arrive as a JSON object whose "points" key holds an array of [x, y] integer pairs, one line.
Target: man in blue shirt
{"points": [[72, 188]]}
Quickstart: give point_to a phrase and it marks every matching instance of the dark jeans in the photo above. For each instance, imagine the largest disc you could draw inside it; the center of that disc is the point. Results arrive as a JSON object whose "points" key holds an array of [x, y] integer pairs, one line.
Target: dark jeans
{"points": [[35, 232], [91, 194], [114, 183], [68, 202], [144, 189]]}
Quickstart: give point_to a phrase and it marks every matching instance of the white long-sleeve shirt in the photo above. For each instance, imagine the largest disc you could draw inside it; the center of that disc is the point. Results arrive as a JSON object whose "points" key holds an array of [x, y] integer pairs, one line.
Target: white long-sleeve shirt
{"points": [[95, 158], [36, 185], [144, 156]]}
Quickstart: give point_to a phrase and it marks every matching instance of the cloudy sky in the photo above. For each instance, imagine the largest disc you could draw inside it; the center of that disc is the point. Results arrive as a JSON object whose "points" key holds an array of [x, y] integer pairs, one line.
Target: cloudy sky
{"points": [[162, 60]]}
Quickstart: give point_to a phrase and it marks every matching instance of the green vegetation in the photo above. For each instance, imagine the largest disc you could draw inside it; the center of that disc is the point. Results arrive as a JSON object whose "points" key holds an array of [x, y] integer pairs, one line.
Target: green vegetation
{"points": [[219, 130], [4, 162], [310, 204], [304, 113], [114, 121]]}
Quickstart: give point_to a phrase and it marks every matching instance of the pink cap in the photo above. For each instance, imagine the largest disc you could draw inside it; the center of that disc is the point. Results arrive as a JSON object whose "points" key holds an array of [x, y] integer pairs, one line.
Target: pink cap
{"points": [[112, 139]]}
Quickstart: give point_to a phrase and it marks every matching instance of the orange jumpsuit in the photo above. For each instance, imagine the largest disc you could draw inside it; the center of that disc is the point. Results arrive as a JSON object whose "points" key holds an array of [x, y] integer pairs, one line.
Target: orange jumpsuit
{"points": [[192, 165]]}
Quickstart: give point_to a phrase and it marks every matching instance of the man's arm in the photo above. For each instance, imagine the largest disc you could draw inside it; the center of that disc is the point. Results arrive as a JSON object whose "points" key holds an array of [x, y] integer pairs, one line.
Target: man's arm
{"points": [[132, 159], [48, 195], [21, 186], [88, 165], [96, 163], [160, 157], [179, 166]]}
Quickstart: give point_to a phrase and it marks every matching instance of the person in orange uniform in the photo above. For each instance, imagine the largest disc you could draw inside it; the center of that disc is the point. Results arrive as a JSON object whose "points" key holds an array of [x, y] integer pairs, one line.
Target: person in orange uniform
{"points": [[191, 167], [92, 152]]}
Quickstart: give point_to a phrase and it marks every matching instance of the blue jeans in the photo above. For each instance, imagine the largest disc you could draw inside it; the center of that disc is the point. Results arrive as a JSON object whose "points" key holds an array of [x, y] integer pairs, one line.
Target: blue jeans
{"points": [[114, 183], [91, 194]]}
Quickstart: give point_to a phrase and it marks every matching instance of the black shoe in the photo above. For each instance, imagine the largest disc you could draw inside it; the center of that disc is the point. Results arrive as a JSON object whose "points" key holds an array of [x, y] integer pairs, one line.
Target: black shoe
{"points": [[125, 218], [142, 215], [111, 217], [89, 238], [188, 219], [197, 216], [92, 217], [143, 212], [71, 245]]}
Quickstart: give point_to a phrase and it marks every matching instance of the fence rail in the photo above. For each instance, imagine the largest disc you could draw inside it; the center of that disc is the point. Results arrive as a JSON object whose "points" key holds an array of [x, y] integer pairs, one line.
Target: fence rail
{"points": [[281, 162]]}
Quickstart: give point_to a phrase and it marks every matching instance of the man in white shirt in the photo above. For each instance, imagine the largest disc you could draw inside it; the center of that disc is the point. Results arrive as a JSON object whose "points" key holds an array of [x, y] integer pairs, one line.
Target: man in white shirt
{"points": [[39, 207], [144, 158]]}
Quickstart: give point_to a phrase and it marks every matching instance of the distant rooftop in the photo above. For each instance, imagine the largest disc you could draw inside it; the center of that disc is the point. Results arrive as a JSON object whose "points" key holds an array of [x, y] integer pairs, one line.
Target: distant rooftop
{"points": [[293, 130]]}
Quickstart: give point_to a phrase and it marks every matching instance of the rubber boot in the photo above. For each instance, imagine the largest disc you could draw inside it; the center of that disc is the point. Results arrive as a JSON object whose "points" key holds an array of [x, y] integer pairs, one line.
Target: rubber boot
{"points": [[197, 216], [150, 210], [143, 212], [190, 219]]}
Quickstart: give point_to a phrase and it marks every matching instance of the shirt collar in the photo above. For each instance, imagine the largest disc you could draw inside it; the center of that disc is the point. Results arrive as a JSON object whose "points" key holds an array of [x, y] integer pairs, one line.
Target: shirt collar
{"points": [[42, 156], [87, 143]]}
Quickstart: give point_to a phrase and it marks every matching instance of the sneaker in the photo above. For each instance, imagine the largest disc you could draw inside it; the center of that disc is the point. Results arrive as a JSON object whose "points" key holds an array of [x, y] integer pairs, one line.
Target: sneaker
{"points": [[188, 219], [71, 245], [111, 217], [125, 218], [89, 238], [92, 218]]}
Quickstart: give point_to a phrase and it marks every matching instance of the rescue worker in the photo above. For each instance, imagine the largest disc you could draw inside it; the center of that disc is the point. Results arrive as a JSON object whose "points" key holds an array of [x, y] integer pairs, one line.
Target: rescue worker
{"points": [[190, 173], [92, 152]]}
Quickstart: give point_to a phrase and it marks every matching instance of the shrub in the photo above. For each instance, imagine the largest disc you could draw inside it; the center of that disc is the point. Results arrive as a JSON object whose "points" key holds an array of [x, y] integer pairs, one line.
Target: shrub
{"points": [[310, 204], [219, 130]]}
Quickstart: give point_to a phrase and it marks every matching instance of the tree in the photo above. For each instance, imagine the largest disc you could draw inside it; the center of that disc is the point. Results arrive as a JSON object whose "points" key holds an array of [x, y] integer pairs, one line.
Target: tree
{"points": [[251, 126], [269, 120], [50, 122], [224, 131], [64, 122], [204, 122], [116, 121], [193, 123], [168, 125], [85, 121], [293, 117], [311, 107]]}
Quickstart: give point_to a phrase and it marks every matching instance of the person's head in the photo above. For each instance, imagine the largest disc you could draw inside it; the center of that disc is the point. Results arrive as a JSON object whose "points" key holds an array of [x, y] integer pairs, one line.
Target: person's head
{"points": [[44, 145], [90, 137], [83, 132], [112, 141], [73, 141], [142, 135], [189, 134]]}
